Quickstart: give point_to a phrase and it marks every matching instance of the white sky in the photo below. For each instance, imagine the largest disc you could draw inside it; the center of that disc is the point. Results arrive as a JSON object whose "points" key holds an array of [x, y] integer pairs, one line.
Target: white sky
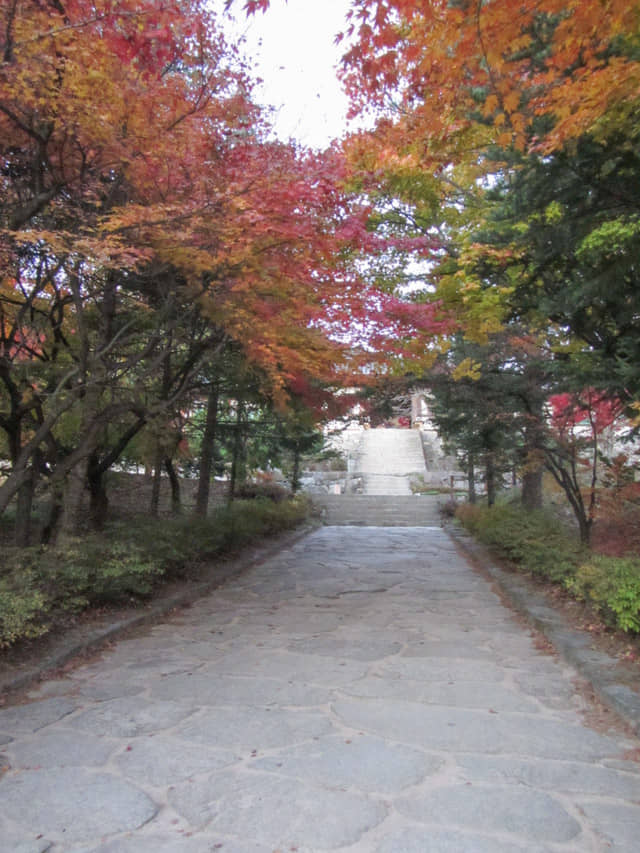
{"points": [[294, 51]]}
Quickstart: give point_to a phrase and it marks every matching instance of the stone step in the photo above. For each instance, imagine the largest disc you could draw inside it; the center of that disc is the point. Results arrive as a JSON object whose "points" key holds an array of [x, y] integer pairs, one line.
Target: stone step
{"points": [[379, 510], [386, 484], [390, 451], [388, 460]]}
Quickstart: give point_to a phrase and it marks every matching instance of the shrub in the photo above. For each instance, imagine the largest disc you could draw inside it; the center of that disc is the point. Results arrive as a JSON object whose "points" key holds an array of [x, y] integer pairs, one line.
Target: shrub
{"points": [[23, 610], [263, 489], [176, 543], [535, 541], [328, 460], [449, 509], [612, 585], [539, 544], [246, 520], [40, 585], [173, 544]]}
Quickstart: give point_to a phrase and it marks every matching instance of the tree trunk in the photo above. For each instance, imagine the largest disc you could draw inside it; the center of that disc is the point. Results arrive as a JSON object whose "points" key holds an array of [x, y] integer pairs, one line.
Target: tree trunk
{"points": [[533, 464], [75, 477], [585, 524], [73, 499], [236, 461], [471, 478], [532, 489], [176, 501], [160, 454], [207, 452], [295, 476], [490, 475], [24, 506], [72, 473], [563, 467], [69, 480], [154, 507], [98, 500], [54, 512], [20, 467]]}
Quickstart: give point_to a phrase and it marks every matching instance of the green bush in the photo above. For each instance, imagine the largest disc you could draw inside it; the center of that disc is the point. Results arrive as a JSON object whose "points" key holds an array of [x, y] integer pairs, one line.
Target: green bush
{"points": [[612, 585], [264, 489], [536, 541], [243, 521], [23, 610], [540, 544], [39, 585], [173, 544], [94, 570], [327, 460]]}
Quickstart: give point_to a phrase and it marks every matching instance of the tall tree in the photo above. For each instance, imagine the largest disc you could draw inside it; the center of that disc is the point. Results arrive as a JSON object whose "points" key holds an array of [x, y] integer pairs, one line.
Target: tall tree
{"points": [[540, 101], [101, 111], [458, 77], [488, 405]]}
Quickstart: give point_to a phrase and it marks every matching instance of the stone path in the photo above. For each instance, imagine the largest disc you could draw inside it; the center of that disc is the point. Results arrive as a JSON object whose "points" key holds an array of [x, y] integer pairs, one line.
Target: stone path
{"points": [[362, 691]]}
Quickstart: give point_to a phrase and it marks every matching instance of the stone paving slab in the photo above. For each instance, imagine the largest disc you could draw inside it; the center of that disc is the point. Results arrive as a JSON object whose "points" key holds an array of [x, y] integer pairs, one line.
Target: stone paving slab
{"points": [[84, 639], [278, 811], [528, 814], [597, 667], [367, 763], [74, 804], [362, 691]]}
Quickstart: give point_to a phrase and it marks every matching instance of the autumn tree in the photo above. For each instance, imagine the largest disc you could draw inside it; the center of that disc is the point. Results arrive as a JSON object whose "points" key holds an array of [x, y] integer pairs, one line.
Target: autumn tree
{"points": [[573, 452], [146, 224], [540, 100], [451, 79], [85, 294], [96, 125], [507, 134]]}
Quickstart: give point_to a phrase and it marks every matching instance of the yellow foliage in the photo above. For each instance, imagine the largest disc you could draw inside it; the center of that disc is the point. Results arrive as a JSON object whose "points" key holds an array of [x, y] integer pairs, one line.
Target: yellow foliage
{"points": [[512, 101], [553, 213], [490, 105], [467, 369]]}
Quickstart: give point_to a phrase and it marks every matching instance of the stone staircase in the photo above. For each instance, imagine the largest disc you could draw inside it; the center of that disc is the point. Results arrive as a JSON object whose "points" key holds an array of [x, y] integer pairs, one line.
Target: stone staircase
{"points": [[379, 510], [388, 459], [385, 464]]}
